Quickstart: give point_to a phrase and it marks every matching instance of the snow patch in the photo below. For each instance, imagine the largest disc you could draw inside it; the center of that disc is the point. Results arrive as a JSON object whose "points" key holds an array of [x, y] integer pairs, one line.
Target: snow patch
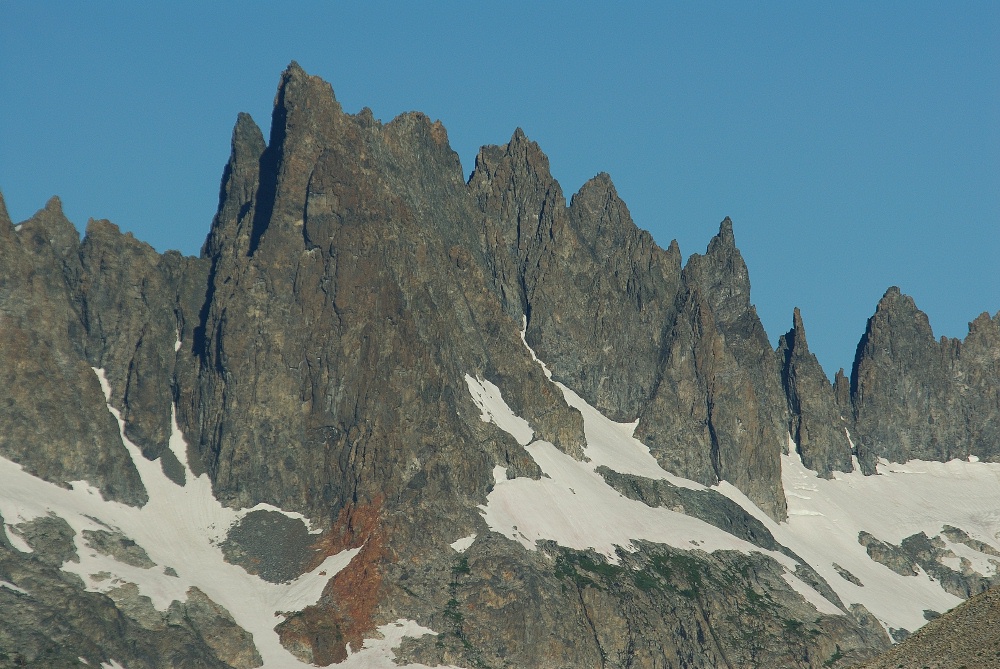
{"points": [[524, 332], [978, 562], [824, 515], [379, 653], [499, 474], [13, 537], [952, 562], [612, 445], [576, 508], [494, 409], [463, 544], [11, 586], [573, 505]]}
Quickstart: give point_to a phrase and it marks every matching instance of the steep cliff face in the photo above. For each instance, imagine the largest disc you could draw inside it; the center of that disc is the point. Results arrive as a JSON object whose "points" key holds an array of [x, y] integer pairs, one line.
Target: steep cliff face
{"points": [[614, 318], [139, 310], [596, 291], [374, 343], [346, 298], [717, 413]]}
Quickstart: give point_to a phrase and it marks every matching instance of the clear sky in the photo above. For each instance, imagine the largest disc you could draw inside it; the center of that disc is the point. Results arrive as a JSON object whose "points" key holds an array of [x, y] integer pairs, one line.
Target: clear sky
{"points": [[855, 145]]}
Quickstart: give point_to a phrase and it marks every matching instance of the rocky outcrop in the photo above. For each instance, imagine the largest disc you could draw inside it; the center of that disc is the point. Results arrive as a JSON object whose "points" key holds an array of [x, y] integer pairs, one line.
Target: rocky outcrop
{"points": [[597, 293], [723, 609], [51, 621], [716, 412], [317, 339], [930, 555], [967, 636], [139, 309]]}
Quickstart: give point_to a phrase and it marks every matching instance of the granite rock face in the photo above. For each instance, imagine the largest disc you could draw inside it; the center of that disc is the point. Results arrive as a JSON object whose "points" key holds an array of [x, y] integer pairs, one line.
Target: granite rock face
{"points": [[315, 357], [915, 397], [139, 309], [317, 338]]}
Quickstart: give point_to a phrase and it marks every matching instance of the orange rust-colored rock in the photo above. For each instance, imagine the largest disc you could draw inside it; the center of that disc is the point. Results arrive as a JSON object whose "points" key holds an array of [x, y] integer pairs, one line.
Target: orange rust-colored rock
{"points": [[345, 612]]}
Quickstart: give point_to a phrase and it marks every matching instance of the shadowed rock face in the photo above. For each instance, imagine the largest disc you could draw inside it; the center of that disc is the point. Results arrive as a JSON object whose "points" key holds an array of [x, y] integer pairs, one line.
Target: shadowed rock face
{"points": [[817, 423], [316, 356]]}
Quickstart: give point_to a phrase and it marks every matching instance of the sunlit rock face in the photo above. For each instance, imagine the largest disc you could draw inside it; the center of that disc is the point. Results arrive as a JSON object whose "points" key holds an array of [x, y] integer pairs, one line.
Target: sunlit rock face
{"points": [[392, 416]]}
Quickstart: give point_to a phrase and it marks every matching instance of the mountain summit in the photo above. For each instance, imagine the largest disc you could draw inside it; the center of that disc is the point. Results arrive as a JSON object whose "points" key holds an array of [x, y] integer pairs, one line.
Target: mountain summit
{"points": [[391, 415]]}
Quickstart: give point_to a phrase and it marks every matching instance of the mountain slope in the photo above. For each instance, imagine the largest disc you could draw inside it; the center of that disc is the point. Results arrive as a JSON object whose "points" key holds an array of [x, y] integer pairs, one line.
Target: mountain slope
{"points": [[490, 427]]}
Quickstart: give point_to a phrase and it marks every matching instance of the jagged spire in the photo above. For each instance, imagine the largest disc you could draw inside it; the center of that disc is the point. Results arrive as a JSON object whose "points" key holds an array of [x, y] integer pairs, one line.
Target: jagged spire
{"points": [[725, 241], [6, 226], [799, 330]]}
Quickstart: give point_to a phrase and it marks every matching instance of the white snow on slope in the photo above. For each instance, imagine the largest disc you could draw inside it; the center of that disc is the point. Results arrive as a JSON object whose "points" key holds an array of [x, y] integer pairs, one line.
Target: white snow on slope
{"points": [[462, 545], [574, 507], [825, 517], [179, 527], [487, 397], [12, 587], [378, 653], [822, 604]]}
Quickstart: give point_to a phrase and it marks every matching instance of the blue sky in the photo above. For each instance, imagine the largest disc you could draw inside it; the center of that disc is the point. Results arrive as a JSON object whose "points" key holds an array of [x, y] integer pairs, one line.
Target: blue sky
{"points": [[855, 145]]}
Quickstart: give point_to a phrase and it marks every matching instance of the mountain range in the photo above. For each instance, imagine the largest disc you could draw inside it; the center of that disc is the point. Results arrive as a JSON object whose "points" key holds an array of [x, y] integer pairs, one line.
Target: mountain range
{"points": [[394, 416]]}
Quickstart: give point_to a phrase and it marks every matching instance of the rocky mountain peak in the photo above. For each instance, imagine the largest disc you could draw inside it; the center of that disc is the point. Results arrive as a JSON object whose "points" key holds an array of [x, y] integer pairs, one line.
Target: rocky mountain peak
{"points": [[602, 219], [913, 396], [722, 276], [51, 224], [725, 237], [896, 310], [520, 158], [799, 330], [52, 220], [299, 92], [303, 121], [6, 226], [238, 189]]}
